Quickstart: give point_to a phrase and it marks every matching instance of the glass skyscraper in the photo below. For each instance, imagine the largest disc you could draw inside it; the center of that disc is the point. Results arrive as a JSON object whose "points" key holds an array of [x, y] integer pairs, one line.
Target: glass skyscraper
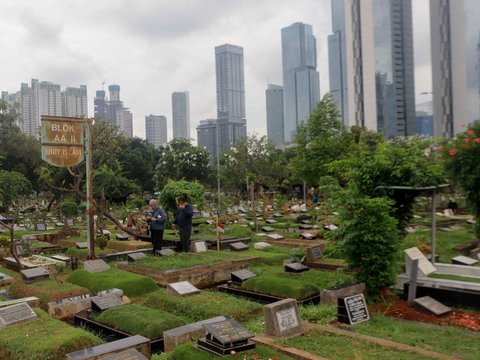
{"points": [[274, 102], [371, 64], [455, 37], [181, 114], [156, 130], [301, 84]]}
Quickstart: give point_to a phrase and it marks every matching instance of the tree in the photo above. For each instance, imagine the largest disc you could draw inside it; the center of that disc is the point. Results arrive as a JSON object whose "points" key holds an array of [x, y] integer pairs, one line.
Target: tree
{"points": [[192, 190], [112, 185], [461, 158], [12, 185], [180, 160]]}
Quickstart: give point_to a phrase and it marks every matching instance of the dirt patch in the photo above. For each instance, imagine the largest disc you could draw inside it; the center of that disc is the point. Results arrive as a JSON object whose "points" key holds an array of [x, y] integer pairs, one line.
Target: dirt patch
{"points": [[401, 310]]}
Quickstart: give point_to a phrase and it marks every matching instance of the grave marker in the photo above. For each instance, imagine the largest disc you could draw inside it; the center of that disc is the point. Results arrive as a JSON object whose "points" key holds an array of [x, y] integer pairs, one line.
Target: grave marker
{"points": [[122, 237], [165, 252], [275, 237], [425, 267], [295, 267], [14, 314], [136, 256], [282, 318], [40, 227], [241, 275], [432, 305], [34, 274], [94, 266], [267, 228], [308, 236], [261, 245], [81, 245], [239, 246], [105, 302], [271, 221], [130, 354], [304, 226], [199, 246], [69, 222], [314, 253], [464, 260], [352, 309], [182, 288]]}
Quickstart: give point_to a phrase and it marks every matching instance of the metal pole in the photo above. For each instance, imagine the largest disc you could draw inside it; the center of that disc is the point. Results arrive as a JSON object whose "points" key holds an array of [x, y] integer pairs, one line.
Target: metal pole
{"points": [[432, 255], [90, 209], [218, 187]]}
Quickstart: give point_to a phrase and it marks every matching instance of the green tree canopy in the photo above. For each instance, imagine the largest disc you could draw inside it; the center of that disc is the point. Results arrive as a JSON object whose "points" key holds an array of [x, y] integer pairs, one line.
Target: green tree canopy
{"points": [[192, 190], [114, 186], [12, 185]]}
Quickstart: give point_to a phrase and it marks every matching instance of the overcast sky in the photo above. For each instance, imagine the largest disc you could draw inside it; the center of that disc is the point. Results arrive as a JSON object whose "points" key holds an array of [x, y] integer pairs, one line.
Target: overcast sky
{"points": [[154, 47]]}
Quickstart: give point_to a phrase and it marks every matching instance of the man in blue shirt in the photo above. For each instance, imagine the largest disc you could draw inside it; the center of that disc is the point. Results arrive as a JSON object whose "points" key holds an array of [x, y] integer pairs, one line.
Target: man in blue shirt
{"points": [[183, 220], [156, 218]]}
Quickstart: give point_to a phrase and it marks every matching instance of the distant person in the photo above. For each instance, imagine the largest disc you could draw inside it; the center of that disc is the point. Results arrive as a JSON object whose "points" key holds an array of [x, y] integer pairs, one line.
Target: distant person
{"points": [[183, 220], [156, 218]]}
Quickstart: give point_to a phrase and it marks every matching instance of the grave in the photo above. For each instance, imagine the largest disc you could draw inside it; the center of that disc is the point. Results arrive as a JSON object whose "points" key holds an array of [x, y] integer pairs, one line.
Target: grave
{"points": [[275, 237], [282, 318], [352, 309], [277, 215], [225, 337], [105, 302], [122, 236], [32, 301], [425, 267], [69, 222], [34, 274], [182, 288], [308, 236], [271, 221], [267, 229], [165, 252], [260, 234], [330, 227], [63, 258], [135, 256], [296, 267], [241, 275], [93, 266], [199, 246], [14, 314], [81, 245], [429, 304], [464, 260], [304, 226], [130, 354], [261, 245], [59, 224], [314, 253], [40, 227], [239, 246], [138, 342]]}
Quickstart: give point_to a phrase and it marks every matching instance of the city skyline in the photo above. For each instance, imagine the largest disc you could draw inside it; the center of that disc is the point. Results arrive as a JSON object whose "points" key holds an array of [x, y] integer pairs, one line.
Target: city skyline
{"points": [[68, 44]]}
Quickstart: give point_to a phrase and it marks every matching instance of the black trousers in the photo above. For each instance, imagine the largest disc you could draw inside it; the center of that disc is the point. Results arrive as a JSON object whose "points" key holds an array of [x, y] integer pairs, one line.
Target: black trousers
{"points": [[157, 239], [185, 238]]}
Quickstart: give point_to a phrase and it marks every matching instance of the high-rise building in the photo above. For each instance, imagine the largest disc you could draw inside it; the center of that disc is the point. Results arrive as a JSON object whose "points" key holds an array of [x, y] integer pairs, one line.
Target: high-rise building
{"points": [[207, 137], [424, 118], [156, 130], [371, 64], [114, 104], [74, 101], [124, 121], [301, 84], [274, 100], [100, 105], [181, 115], [455, 35]]}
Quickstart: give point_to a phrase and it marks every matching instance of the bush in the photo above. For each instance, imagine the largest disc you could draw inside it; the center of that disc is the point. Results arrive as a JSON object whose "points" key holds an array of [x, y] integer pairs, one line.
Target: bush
{"points": [[205, 305], [68, 208], [137, 319], [131, 284], [281, 286], [194, 192]]}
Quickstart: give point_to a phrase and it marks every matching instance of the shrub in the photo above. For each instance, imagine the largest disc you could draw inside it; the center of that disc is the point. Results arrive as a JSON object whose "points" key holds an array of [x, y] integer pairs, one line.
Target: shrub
{"points": [[194, 192], [68, 208], [131, 284]]}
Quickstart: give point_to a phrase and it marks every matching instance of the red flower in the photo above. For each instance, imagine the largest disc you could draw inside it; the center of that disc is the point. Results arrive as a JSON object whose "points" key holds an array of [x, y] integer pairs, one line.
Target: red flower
{"points": [[467, 140], [477, 140], [440, 148], [452, 152], [470, 132]]}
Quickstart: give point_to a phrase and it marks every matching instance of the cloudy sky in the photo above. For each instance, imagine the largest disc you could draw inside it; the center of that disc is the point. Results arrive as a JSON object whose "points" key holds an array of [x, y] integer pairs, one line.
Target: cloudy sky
{"points": [[154, 47]]}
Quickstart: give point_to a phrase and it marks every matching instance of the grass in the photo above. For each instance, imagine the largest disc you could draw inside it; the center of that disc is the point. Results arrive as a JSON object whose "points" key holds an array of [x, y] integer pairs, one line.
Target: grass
{"points": [[128, 245], [444, 339], [137, 319], [284, 287], [188, 352], [205, 305], [454, 277], [320, 314], [46, 290], [131, 284], [179, 261], [45, 339], [343, 347]]}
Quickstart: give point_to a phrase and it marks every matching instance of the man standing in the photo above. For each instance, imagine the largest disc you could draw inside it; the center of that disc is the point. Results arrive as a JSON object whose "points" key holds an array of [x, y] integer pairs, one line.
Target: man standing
{"points": [[183, 220], [156, 218]]}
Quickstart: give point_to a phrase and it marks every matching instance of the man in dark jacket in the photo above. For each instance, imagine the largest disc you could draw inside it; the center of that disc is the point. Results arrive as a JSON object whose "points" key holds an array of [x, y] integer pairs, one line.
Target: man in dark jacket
{"points": [[183, 220], [156, 218]]}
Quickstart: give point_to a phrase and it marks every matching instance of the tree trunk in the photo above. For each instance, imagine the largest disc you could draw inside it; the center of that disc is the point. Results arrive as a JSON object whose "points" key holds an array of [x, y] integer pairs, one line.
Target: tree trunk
{"points": [[11, 228]]}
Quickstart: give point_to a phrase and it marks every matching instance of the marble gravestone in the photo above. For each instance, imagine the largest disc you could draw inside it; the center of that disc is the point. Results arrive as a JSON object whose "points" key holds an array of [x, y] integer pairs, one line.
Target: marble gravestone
{"points": [[165, 252], [182, 288], [105, 302], [431, 305], [199, 246], [135, 256], [240, 276], [282, 318], [14, 314], [93, 266], [425, 267], [239, 246], [275, 237], [35, 274]]}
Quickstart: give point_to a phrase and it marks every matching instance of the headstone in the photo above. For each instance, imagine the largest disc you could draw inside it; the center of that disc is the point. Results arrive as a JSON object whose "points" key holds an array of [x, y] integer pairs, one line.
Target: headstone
{"points": [[165, 252], [63, 258], [267, 228], [425, 267], [14, 314], [277, 215], [182, 288], [275, 237], [138, 342], [40, 227], [199, 246], [32, 301], [34, 274], [464, 260], [314, 253], [261, 245], [105, 302], [308, 236], [282, 318], [239, 246], [305, 226], [260, 234], [69, 222], [448, 212], [93, 266], [352, 309], [122, 236], [296, 267], [81, 245], [130, 354], [136, 256], [59, 224], [471, 221], [271, 221], [330, 227], [432, 305], [241, 275], [225, 337]]}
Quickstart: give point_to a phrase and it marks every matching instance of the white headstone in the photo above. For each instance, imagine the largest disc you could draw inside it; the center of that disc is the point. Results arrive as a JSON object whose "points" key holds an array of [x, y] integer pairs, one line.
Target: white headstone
{"points": [[182, 288], [95, 266], [425, 267]]}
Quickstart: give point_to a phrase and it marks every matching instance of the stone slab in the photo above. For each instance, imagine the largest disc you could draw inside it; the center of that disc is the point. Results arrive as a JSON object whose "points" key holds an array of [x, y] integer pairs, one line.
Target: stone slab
{"points": [[199, 246], [267, 229], [242, 275], [182, 288], [227, 331], [93, 266], [122, 237], [330, 296], [261, 245], [105, 302], [432, 305], [425, 267], [81, 245], [314, 253], [352, 309], [166, 252], [464, 260], [239, 246], [130, 354], [271, 221], [275, 237], [282, 318], [136, 256], [295, 267], [13, 314], [35, 274], [32, 301], [61, 258]]}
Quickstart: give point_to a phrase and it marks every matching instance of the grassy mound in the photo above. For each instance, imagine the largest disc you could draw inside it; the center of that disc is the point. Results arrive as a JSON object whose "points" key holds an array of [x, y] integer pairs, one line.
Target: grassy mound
{"points": [[179, 261], [137, 319], [46, 291], [45, 339], [188, 352], [205, 305], [281, 286], [131, 284]]}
